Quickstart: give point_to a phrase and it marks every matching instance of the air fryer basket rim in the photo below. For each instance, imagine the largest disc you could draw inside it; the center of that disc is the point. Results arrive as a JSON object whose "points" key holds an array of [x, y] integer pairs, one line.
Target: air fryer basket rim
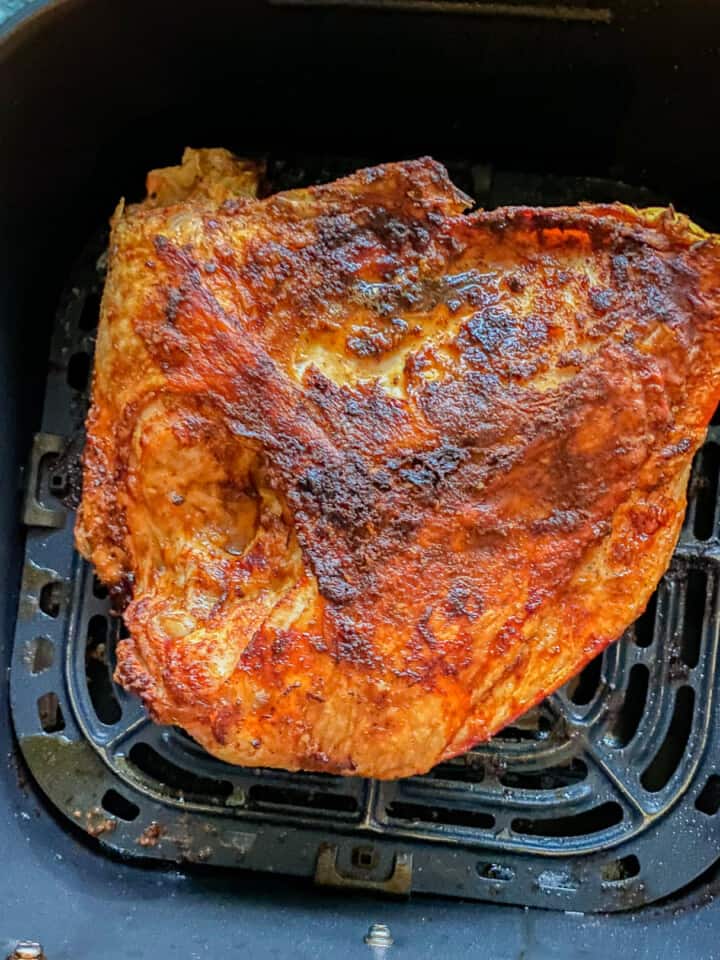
{"points": [[50, 866]]}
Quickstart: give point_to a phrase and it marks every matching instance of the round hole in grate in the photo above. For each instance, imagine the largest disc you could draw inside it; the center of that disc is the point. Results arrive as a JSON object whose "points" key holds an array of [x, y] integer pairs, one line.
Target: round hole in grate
{"points": [[599, 818], [78, 371], [119, 806], [696, 593], [40, 654], [51, 598], [667, 759], [705, 484], [617, 871], [587, 682], [552, 778], [708, 800], [97, 671], [627, 719], [176, 778], [50, 713]]}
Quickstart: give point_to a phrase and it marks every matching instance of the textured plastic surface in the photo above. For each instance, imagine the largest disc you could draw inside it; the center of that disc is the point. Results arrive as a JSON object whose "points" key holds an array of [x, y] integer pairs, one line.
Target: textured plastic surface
{"points": [[602, 799]]}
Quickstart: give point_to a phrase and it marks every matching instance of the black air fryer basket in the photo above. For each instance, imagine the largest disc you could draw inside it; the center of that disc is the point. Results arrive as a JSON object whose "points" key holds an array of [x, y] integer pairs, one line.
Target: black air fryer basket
{"points": [[592, 824]]}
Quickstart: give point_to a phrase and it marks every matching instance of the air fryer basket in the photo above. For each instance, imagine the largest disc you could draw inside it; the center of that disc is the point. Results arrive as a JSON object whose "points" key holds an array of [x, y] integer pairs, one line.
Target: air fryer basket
{"points": [[605, 798], [576, 806]]}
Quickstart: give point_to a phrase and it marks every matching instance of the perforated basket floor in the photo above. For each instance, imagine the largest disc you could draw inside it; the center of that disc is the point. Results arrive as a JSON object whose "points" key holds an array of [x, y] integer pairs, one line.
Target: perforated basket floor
{"points": [[604, 798]]}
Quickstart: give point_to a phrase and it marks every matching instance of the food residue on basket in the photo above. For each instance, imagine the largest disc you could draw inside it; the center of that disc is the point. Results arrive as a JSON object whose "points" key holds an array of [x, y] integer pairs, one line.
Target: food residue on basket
{"points": [[150, 837]]}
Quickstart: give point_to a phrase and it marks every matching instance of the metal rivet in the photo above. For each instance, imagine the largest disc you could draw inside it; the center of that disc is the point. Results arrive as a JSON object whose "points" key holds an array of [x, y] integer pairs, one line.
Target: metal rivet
{"points": [[379, 936], [27, 950]]}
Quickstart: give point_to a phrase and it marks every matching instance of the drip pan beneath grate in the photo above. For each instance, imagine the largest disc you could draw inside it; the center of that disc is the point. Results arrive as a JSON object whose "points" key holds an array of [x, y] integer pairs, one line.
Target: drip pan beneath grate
{"points": [[603, 798]]}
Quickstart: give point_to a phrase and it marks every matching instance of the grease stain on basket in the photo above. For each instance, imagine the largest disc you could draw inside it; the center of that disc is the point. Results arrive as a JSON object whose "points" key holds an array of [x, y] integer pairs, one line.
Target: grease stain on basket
{"points": [[73, 776]]}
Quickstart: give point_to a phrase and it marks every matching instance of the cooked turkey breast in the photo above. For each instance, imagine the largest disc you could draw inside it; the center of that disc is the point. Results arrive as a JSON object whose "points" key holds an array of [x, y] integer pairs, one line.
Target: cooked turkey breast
{"points": [[372, 475]]}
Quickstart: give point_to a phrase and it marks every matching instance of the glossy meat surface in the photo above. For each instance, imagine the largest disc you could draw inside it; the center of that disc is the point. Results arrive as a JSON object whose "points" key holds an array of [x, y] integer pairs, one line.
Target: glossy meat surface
{"points": [[373, 474]]}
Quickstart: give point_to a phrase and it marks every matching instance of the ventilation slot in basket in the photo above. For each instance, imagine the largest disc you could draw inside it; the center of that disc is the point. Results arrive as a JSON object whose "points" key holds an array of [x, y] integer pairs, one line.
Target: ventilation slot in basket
{"points": [[465, 769], [97, 669], [552, 778], [40, 654], [668, 757], [705, 484], [645, 624], [532, 727], [50, 713], [51, 597], [631, 712], [600, 818], [262, 795], [90, 313], [587, 683], [119, 806], [177, 779], [618, 871], [78, 372], [416, 812], [708, 801], [691, 637], [99, 589]]}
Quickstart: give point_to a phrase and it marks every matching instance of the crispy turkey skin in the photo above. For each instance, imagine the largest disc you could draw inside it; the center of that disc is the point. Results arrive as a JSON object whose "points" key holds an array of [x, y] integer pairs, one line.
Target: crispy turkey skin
{"points": [[372, 475]]}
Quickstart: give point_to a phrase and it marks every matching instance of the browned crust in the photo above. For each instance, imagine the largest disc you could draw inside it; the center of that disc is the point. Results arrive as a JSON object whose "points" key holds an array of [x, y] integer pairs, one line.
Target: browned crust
{"points": [[459, 442]]}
